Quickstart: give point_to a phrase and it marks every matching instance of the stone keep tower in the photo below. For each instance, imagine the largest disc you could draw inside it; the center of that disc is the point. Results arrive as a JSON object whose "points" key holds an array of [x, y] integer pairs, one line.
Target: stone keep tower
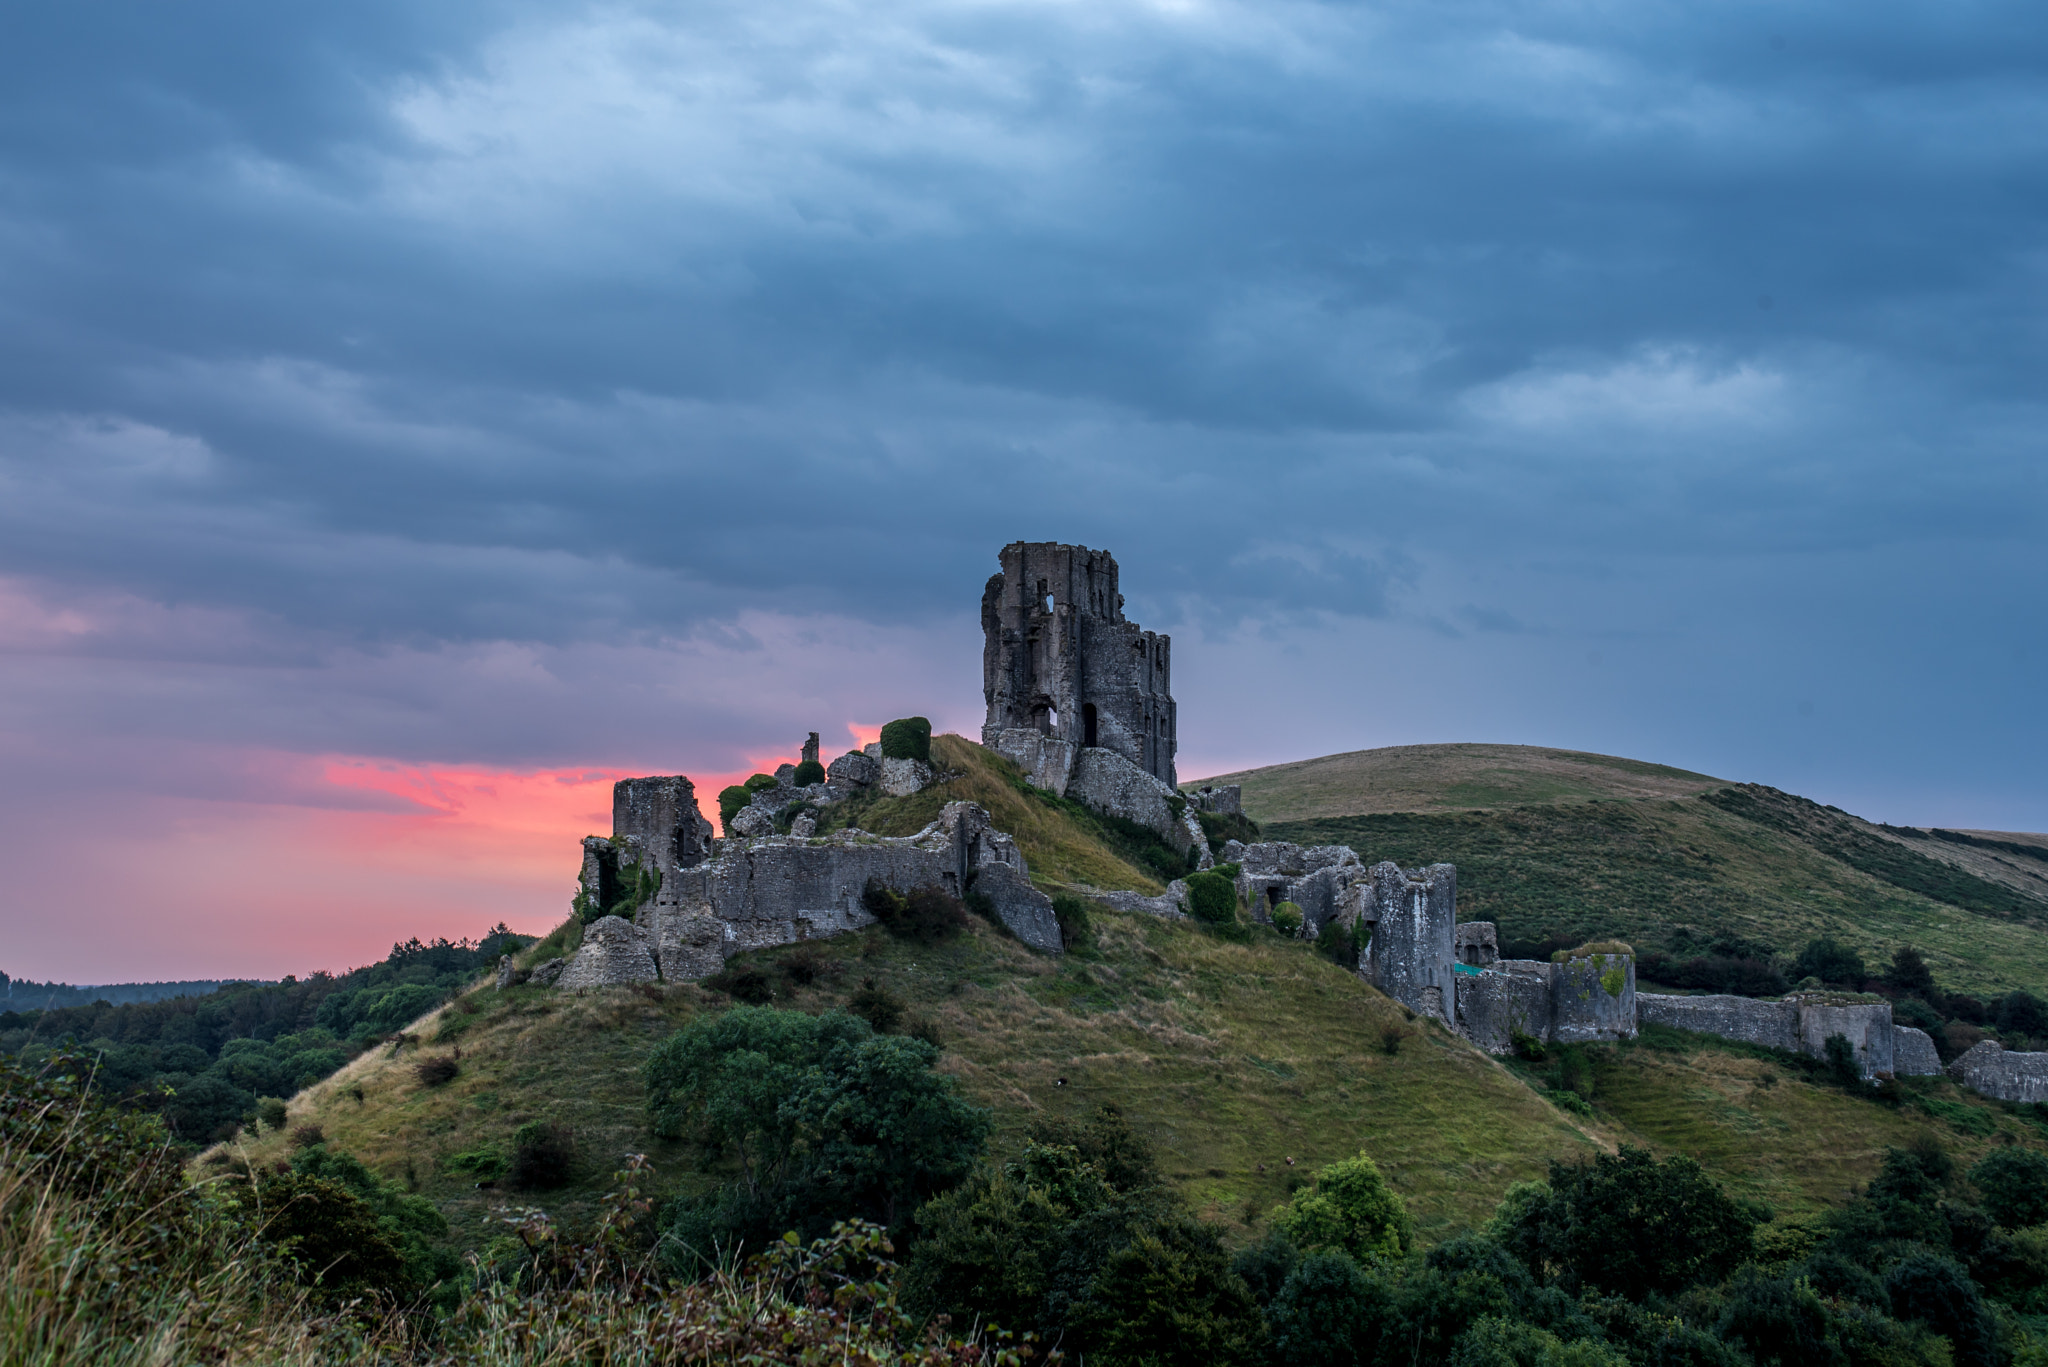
{"points": [[1059, 658]]}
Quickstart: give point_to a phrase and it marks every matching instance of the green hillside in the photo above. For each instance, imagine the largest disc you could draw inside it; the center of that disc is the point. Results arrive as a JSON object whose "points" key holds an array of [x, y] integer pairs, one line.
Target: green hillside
{"points": [[1420, 778], [1560, 845], [1245, 1065]]}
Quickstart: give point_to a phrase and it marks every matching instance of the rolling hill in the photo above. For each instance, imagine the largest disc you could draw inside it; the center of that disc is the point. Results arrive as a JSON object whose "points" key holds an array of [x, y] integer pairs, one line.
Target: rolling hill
{"points": [[1561, 845]]}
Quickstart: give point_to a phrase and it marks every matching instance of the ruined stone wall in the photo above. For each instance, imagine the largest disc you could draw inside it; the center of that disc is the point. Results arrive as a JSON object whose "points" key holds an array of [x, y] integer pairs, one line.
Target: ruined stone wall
{"points": [[1325, 881], [1593, 998], [1476, 943], [1414, 914], [1866, 1025], [1994, 1071], [661, 814], [1059, 658], [777, 890], [1913, 1052], [1509, 997], [1802, 1024], [1775, 1025]]}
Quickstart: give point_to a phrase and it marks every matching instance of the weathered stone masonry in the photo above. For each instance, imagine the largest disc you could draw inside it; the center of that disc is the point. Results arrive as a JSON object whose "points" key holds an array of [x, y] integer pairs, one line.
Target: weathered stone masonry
{"points": [[1059, 658]]}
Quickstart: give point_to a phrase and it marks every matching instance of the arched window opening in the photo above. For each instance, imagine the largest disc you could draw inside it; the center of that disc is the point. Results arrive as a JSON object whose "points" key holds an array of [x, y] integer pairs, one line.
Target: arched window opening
{"points": [[1088, 732]]}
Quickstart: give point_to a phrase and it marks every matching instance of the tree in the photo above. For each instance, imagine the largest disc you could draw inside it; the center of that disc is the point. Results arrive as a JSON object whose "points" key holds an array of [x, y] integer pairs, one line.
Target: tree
{"points": [[1938, 1292], [727, 1077], [1829, 961], [1328, 1313], [2014, 1182], [882, 1130], [1909, 976], [1168, 1298], [1628, 1224], [1349, 1208], [2022, 1013], [1499, 1342], [829, 1120]]}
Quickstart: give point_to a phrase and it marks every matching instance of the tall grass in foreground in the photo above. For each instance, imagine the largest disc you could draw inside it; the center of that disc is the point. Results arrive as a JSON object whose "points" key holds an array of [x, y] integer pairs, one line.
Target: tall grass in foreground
{"points": [[109, 1258]]}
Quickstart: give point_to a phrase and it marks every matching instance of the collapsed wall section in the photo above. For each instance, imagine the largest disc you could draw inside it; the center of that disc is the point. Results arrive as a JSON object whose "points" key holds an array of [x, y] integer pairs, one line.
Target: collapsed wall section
{"points": [[778, 890], [1994, 1071]]}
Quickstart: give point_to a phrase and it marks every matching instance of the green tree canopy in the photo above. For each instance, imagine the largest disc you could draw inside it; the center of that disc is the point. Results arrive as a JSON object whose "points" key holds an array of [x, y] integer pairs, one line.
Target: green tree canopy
{"points": [[1628, 1225], [1349, 1208]]}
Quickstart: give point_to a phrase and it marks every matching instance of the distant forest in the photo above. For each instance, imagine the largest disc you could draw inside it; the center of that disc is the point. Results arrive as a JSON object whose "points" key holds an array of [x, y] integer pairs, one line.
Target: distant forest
{"points": [[26, 994], [204, 1061]]}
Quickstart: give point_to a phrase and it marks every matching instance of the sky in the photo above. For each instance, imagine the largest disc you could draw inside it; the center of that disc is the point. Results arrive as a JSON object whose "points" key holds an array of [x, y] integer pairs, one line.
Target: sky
{"points": [[415, 417]]}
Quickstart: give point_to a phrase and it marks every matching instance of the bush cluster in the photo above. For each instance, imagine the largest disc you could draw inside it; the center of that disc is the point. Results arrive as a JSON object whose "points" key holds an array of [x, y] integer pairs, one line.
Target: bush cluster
{"points": [[908, 738], [827, 1120], [924, 915], [807, 773], [1212, 898], [543, 1156]]}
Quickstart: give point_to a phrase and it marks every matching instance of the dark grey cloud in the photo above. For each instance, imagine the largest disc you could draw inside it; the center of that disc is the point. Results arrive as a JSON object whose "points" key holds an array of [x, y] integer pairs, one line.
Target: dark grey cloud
{"points": [[406, 331]]}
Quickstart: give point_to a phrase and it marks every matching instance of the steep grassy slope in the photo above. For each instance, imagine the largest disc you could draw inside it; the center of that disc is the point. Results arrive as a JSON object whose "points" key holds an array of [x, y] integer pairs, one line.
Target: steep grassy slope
{"points": [[1417, 778]]}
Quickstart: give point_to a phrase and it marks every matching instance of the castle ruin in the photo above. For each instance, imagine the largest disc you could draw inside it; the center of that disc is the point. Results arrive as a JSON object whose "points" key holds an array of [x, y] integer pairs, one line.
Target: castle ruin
{"points": [[1060, 660], [1080, 699]]}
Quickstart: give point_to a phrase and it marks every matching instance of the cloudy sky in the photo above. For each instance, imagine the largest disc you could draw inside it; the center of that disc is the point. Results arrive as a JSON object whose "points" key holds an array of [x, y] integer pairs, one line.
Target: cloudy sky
{"points": [[414, 416]]}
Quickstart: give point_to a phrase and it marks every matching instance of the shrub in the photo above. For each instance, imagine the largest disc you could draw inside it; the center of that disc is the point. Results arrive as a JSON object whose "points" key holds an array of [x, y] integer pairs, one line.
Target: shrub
{"points": [[1212, 899], [878, 1006], [2014, 1183], [330, 1236], [437, 1070], [1220, 828], [908, 738], [756, 782], [1909, 976], [803, 966], [1287, 919], [306, 1136], [1072, 914], [1918, 1014], [807, 773], [272, 1112], [1350, 1209], [486, 1165], [924, 915], [1841, 1062], [744, 981], [1390, 1040], [542, 1155], [1342, 944], [1573, 1071], [731, 802]]}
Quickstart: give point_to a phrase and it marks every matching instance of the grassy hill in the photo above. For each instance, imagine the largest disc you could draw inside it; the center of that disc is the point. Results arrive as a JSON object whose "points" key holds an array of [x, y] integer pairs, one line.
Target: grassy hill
{"points": [[1246, 1066], [1559, 844], [1421, 778]]}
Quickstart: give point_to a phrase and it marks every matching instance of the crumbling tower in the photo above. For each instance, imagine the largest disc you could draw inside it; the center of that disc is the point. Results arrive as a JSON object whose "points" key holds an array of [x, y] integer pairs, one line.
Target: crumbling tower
{"points": [[1059, 658]]}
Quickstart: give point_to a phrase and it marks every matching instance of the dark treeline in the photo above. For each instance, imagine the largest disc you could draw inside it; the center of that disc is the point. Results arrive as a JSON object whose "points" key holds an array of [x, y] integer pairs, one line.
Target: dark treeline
{"points": [[203, 1062], [26, 994]]}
